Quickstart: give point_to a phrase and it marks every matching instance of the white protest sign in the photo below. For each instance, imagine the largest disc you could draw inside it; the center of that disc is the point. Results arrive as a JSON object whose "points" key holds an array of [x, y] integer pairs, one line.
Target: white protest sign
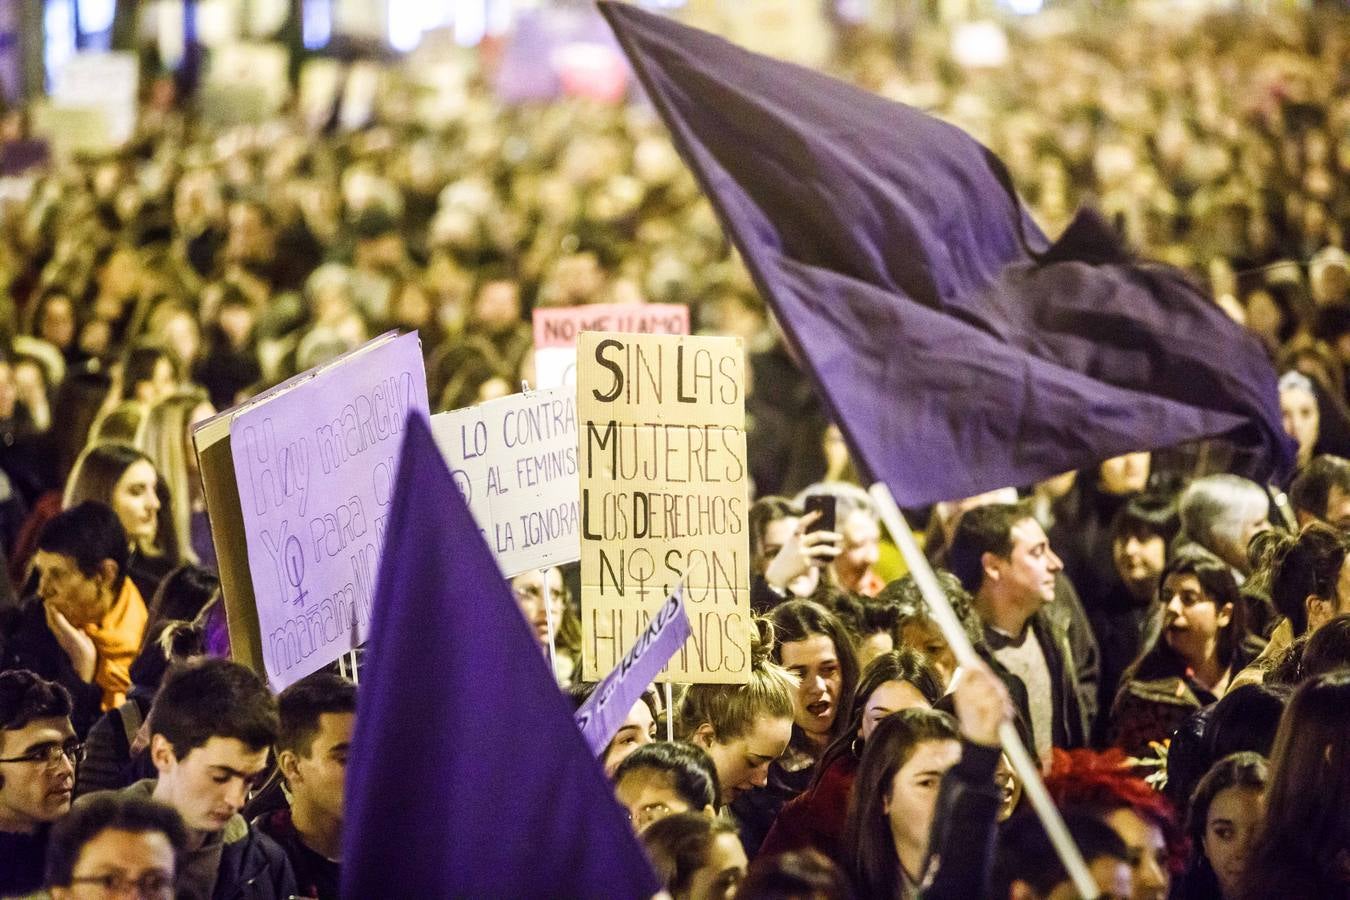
{"points": [[96, 85], [515, 462], [556, 330]]}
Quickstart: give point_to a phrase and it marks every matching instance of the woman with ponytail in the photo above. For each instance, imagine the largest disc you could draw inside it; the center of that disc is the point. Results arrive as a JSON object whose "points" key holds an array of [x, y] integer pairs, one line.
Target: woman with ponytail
{"points": [[1306, 572], [743, 727]]}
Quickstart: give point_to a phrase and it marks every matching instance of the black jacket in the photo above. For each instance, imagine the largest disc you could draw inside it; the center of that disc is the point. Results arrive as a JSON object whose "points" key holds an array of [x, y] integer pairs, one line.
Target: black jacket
{"points": [[316, 876], [23, 860], [1070, 719], [964, 826], [254, 868], [27, 643], [108, 763]]}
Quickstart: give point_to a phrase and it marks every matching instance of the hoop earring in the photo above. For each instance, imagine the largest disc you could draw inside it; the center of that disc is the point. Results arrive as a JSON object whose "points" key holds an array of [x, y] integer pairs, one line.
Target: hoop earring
{"points": [[853, 747]]}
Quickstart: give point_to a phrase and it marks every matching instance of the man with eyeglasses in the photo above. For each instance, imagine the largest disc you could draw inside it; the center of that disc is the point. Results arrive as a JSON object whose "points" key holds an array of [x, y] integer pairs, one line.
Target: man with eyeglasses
{"points": [[116, 847], [211, 726], [38, 755]]}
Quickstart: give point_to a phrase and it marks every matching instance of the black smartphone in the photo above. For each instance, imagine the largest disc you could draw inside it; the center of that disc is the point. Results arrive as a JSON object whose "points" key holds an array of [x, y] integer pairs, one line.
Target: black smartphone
{"points": [[823, 503]]}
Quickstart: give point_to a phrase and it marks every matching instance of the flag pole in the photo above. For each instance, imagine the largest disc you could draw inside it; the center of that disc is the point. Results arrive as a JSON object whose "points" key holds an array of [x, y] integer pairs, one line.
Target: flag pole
{"points": [[945, 617], [548, 617], [670, 713], [356, 679]]}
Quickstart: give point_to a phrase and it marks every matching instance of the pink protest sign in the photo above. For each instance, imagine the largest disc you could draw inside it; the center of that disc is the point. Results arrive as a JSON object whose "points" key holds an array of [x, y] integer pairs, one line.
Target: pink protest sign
{"points": [[556, 330]]}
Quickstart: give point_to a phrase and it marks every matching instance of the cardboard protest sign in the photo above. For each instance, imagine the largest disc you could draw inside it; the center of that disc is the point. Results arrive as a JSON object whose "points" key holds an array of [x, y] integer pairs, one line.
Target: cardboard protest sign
{"points": [[556, 331], [298, 483], [515, 462], [604, 711], [664, 498], [796, 30]]}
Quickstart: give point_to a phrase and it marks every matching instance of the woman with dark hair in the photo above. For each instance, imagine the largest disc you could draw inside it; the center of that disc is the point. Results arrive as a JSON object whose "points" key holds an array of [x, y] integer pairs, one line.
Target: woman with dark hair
{"points": [[899, 680], [794, 875], [1303, 846], [149, 374], [696, 857], [1191, 663], [1306, 570], [894, 800], [1305, 577], [1224, 814], [813, 645], [124, 478], [56, 319], [662, 778]]}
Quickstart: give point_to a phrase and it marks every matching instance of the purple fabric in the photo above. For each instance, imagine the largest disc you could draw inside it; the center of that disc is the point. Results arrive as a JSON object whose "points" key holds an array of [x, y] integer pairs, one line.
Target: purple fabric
{"points": [[957, 349], [468, 777], [601, 716]]}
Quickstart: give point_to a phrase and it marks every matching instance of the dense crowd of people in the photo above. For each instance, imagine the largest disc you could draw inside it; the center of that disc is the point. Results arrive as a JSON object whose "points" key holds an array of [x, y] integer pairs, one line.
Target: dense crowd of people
{"points": [[1171, 641]]}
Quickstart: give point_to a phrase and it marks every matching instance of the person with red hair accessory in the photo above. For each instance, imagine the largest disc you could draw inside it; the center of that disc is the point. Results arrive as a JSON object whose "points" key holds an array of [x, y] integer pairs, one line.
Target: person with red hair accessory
{"points": [[1103, 785]]}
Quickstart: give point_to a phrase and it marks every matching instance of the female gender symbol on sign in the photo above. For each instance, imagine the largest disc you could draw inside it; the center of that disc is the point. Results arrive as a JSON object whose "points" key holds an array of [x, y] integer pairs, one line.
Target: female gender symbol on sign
{"points": [[294, 564]]}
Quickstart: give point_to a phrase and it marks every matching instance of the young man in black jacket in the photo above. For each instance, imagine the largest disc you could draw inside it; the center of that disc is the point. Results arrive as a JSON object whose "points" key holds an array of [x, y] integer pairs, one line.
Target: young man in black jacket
{"points": [[1003, 557], [210, 729], [318, 716]]}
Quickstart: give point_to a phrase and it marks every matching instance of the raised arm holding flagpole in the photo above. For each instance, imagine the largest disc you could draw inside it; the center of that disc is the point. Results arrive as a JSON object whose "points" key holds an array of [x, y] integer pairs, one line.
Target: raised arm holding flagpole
{"points": [[957, 348]]}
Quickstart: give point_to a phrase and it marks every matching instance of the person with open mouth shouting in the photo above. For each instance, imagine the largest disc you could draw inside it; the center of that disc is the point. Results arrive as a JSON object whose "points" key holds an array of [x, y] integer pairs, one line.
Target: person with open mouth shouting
{"points": [[815, 647]]}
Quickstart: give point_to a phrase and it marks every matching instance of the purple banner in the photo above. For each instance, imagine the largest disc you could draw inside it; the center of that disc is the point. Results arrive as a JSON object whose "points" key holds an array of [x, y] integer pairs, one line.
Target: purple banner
{"points": [[600, 717]]}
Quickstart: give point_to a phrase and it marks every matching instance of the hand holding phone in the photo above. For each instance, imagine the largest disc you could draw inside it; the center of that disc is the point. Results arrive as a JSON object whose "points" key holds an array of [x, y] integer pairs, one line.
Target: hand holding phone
{"points": [[825, 505]]}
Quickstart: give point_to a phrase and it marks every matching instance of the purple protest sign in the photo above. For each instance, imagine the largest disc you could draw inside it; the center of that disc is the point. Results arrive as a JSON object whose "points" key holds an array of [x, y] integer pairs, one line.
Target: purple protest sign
{"points": [[314, 462], [600, 717]]}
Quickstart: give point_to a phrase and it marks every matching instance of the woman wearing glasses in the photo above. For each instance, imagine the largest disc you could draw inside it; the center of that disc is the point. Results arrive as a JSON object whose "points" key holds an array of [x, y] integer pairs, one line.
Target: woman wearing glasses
{"points": [[544, 601]]}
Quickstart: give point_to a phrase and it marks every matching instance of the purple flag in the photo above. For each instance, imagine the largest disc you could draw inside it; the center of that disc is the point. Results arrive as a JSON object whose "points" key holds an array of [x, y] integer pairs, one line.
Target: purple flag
{"points": [[601, 715], [468, 777], [957, 349]]}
